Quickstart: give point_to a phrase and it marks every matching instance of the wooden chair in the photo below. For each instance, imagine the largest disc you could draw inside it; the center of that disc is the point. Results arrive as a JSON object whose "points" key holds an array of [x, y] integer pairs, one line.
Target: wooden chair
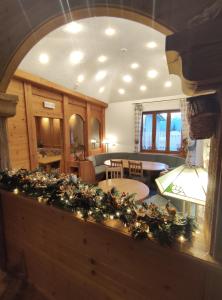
{"points": [[116, 163], [114, 172], [135, 168]]}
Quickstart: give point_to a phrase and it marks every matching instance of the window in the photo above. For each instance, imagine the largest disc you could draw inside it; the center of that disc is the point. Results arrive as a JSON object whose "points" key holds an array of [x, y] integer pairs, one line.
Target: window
{"points": [[161, 131]]}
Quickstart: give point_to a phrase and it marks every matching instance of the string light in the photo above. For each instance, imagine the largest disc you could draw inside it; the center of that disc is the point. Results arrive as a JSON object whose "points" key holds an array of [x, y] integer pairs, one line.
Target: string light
{"points": [[15, 191], [181, 238], [138, 219]]}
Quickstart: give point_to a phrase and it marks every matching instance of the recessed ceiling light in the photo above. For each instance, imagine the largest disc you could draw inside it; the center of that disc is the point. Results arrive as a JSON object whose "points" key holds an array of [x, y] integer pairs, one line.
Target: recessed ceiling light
{"points": [[73, 27], [102, 58], [110, 31], [101, 90], [152, 73], [121, 91], [151, 45], [143, 88], [43, 58], [80, 78], [127, 78], [134, 66], [76, 57], [100, 75], [168, 83]]}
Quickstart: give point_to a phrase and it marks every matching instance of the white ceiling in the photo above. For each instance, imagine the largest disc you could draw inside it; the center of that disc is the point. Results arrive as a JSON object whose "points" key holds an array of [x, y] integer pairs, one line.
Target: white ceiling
{"points": [[93, 42]]}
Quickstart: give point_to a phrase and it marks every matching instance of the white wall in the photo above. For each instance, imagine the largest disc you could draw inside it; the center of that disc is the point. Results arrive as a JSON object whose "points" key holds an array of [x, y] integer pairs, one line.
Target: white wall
{"points": [[120, 120]]}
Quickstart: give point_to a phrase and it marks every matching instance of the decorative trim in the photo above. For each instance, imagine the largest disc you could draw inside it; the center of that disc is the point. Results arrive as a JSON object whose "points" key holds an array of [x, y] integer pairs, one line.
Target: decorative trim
{"points": [[8, 105]]}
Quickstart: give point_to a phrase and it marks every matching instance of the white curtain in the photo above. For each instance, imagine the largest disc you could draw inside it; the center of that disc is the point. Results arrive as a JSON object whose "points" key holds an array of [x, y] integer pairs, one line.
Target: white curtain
{"points": [[185, 124], [190, 145], [4, 150], [138, 122]]}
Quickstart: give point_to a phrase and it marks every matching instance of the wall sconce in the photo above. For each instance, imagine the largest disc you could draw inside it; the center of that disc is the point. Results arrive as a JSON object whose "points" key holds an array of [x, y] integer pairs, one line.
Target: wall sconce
{"points": [[93, 142], [109, 142], [106, 143]]}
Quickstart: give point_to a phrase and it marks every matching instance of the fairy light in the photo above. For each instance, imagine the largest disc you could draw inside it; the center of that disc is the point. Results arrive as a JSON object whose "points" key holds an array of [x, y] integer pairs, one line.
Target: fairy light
{"points": [[79, 213], [181, 238], [40, 199], [69, 191], [16, 191]]}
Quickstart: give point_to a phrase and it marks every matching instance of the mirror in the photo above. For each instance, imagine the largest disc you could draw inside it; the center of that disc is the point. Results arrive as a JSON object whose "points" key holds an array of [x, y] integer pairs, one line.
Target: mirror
{"points": [[96, 133], [77, 144]]}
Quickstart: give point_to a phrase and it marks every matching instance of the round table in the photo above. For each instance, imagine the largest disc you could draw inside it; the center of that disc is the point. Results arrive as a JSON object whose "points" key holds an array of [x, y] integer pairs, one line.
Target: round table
{"points": [[147, 165], [126, 185]]}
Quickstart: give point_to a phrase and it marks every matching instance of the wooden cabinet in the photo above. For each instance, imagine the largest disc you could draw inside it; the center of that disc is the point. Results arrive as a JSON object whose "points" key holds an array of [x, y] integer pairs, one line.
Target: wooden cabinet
{"points": [[23, 132], [84, 170]]}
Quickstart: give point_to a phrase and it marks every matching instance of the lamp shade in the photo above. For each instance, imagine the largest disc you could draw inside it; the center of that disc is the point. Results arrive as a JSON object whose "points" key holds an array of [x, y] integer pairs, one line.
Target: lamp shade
{"points": [[188, 183]]}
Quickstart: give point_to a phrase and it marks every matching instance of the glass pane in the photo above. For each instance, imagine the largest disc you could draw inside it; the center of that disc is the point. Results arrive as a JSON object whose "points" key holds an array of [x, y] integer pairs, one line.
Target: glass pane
{"points": [[147, 132], [175, 131], [161, 123]]}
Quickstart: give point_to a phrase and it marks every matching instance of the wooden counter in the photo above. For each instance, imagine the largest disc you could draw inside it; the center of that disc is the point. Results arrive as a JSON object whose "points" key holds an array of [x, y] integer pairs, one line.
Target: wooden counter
{"points": [[67, 258]]}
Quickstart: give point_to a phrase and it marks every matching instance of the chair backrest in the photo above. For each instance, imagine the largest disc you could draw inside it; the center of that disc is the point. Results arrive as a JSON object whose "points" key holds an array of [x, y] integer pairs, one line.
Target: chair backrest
{"points": [[114, 172], [116, 163], [135, 168]]}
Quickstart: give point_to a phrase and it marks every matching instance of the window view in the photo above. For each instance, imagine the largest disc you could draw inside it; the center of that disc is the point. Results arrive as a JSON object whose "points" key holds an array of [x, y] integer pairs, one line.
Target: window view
{"points": [[175, 131], [147, 131], [161, 131], [161, 126]]}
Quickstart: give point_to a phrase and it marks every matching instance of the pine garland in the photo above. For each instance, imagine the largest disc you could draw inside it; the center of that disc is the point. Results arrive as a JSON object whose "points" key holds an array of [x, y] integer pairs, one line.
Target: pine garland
{"points": [[88, 201]]}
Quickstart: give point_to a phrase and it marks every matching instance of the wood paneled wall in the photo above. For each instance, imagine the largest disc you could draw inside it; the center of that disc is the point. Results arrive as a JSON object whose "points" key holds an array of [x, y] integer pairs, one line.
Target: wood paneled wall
{"points": [[67, 258], [32, 92]]}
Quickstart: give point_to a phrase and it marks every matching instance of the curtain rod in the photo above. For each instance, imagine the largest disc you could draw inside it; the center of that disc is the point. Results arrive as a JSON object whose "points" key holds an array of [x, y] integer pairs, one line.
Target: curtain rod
{"points": [[159, 101]]}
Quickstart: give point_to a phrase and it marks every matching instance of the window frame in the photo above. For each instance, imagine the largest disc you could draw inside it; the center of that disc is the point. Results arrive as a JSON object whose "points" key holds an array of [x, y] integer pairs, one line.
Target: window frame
{"points": [[154, 150]]}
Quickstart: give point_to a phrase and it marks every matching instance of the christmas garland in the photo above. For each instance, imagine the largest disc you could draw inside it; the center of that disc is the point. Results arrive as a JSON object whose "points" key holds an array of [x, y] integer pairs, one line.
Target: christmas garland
{"points": [[89, 202]]}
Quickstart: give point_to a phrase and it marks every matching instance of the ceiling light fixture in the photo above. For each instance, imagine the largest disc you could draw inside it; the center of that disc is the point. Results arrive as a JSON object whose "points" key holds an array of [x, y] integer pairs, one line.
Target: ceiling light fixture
{"points": [[121, 91], [43, 58], [76, 57], [80, 78], [100, 75], [127, 78], [134, 66], [168, 84], [101, 90], [102, 58], [152, 73], [143, 88], [73, 27], [123, 50], [110, 31], [151, 45]]}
